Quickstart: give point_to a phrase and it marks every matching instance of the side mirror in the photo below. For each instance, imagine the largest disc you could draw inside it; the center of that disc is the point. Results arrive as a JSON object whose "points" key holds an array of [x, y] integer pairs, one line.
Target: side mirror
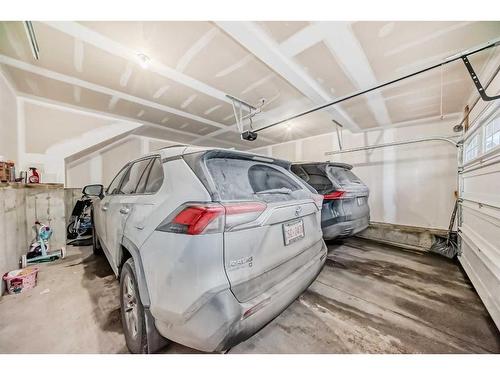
{"points": [[94, 190]]}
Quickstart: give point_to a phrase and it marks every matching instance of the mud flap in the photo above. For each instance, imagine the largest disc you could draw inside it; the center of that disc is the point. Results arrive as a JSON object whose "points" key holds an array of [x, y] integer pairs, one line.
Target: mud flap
{"points": [[154, 339]]}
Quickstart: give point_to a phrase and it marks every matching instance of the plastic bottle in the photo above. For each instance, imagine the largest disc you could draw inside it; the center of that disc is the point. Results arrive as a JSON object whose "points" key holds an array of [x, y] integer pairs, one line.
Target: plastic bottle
{"points": [[34, 178]]}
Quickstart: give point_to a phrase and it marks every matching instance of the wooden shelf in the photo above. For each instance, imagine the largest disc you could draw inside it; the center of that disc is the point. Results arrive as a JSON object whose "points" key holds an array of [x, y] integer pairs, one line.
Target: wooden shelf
{"points": [[20, 185]]}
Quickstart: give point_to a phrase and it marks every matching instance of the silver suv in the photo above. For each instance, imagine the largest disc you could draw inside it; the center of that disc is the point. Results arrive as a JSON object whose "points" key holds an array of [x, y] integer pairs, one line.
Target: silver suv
{"points": [[210, 245], [345, 197]]}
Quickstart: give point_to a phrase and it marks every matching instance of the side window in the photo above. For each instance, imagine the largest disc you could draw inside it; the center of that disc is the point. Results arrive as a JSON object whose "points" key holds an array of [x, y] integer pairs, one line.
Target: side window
{"points": [[113, 186], [132, 177], [492, 134], [141, 186], [472, 148], [155, 178]]}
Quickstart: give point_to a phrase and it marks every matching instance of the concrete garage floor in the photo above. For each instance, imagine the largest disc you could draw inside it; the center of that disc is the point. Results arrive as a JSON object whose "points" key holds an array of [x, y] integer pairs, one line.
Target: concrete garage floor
{"points": [[369, 298]]}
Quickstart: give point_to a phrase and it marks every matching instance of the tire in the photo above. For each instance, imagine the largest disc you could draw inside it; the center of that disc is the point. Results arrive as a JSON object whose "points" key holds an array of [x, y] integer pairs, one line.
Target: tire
{"points": [[132, 311], [69, 230], [96, 245]]}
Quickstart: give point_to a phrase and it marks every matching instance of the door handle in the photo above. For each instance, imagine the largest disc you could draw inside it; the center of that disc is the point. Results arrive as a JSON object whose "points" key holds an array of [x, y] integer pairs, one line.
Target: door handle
{"points": [[124, 210], [104, 208]]}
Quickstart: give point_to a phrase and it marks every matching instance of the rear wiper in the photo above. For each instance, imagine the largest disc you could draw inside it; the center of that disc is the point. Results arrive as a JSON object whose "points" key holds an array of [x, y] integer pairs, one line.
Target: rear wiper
{"points": [[275, 191]]}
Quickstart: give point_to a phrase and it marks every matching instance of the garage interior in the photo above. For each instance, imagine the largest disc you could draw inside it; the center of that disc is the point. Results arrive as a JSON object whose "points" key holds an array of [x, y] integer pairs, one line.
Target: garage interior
{"points": [[78, 100]]}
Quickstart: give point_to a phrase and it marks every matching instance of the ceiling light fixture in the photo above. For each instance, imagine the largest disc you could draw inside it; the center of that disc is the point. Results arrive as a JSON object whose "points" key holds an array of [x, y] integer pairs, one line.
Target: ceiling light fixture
{"points": [[144, 60]]}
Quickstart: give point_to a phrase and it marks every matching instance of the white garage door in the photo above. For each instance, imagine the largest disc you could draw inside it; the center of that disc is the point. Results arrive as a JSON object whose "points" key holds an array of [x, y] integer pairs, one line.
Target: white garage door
{"points": [[479, 217]]}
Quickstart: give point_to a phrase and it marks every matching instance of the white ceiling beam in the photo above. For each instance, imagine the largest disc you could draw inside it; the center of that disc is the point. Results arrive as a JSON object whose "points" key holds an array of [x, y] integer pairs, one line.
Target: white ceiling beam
{"points": [[345, 47], [8, 81], [402, 47], [104, 43], [88, 154], [253, 37], [89, 139], [42, 101], [104, 90], [103, 115], [196, 48], [91, 37], [302, 40], [117, 94]]}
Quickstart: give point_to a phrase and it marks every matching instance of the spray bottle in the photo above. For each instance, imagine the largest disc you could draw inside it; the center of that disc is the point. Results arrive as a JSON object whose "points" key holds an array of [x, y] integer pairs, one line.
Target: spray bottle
{"points": [[34, 178]]}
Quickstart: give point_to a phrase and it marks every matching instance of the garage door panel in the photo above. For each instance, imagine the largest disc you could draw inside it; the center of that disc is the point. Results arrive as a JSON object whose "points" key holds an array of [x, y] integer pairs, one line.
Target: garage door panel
{"points": [[482, 184], [481, 242], [479, 214], [484, 227], [486, 284]]}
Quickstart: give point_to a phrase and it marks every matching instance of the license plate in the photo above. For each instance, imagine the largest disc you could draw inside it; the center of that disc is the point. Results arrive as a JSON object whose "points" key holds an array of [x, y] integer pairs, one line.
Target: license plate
{"points": [[361, 201], [293, 231]]}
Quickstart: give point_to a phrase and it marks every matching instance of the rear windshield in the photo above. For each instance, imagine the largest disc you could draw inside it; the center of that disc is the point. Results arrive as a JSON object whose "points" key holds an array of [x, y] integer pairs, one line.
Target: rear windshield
{"points": [[325, 178], [344, 176], [239, 179], [314, 176]]}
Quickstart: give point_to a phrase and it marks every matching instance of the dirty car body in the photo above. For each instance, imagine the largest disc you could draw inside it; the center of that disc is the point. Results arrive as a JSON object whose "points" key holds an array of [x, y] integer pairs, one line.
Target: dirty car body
{"points": [[345, 206], [222, 244]]}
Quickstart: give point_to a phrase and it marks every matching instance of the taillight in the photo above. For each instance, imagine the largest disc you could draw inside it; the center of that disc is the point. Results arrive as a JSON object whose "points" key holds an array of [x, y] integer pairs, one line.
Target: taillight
{"points": [[244, 207], [195, 219], [242, 213], [334, 195], [204, 218]]}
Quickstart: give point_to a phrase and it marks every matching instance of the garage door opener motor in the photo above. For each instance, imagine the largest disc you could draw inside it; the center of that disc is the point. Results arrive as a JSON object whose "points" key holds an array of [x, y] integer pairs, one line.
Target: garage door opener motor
{"points": [[244, 111]]}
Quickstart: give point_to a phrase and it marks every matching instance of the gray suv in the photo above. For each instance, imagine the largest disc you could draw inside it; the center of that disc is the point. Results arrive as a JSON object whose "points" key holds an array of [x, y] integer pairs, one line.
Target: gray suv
{"points": [[209, 244], [345, 205]]}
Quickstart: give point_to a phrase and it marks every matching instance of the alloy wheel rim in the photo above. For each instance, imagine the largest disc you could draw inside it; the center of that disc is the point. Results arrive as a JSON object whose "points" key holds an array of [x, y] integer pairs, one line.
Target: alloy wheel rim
{"points": [[130, 306]]}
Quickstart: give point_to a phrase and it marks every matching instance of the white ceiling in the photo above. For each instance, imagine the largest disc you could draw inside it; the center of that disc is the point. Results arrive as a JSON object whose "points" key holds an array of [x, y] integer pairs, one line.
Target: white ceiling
{"points": [[293, 65]]}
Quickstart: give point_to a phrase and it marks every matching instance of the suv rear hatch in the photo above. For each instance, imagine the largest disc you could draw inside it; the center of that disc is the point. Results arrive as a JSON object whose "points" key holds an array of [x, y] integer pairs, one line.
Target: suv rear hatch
{"points": [[345, 195], [272, 222]]}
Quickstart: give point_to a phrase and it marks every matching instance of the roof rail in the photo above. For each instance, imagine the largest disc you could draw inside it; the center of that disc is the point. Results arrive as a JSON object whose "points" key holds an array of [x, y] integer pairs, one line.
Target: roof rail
{"points": [[171, 146]]}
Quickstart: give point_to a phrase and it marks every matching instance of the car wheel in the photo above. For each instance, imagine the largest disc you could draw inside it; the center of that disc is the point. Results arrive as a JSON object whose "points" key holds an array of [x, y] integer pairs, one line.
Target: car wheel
{"points": [[70, 231], [96, 244], [132, 311]]}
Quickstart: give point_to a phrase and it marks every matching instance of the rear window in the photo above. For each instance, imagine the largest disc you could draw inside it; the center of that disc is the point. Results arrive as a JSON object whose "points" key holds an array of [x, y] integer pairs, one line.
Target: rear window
{"points": [[133, 176], [239, 179], [314, 176], [344, 176], [155, 178]]}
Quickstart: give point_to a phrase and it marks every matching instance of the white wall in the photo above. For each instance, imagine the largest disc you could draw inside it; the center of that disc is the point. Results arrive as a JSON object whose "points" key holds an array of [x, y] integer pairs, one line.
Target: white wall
{"points": [[49, 133], [8, 121], [42, 134], [101, 166], [409, 185]]}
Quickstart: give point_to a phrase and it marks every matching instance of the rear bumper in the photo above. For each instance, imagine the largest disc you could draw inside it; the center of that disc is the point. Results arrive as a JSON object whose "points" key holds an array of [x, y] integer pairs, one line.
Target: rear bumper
{"points": [[220, 323], [346, 228]]}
